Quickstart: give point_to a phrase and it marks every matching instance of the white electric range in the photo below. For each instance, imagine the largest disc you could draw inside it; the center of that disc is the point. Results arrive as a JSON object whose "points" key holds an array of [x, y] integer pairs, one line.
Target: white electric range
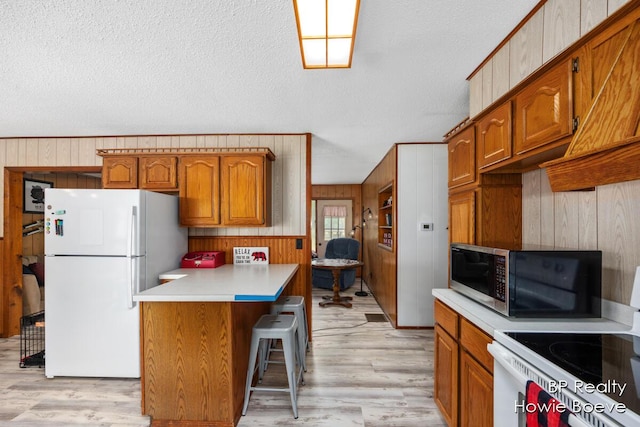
{"points": [[594, 372]]}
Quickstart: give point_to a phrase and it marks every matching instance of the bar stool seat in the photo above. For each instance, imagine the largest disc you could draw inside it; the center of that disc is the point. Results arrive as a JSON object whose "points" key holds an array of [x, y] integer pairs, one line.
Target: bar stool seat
{"points": [[294, 304], [269, 327]]}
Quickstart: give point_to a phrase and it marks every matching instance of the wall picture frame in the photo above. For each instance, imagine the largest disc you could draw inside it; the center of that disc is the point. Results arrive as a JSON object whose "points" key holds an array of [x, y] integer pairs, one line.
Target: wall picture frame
{"points": [[34, 195]]}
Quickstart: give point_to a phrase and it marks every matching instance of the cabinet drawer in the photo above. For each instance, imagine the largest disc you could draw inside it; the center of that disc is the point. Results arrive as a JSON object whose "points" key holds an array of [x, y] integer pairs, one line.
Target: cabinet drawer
{"points": [[475, 342], [446, 318]]}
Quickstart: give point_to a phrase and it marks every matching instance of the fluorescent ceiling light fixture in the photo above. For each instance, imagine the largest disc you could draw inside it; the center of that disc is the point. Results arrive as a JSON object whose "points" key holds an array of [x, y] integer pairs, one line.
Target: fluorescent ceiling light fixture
{"points": [[326, 31]]}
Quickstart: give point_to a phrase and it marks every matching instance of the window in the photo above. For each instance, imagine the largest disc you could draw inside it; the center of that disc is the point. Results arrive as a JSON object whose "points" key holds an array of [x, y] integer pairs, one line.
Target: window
{"points": [[335, 218]]}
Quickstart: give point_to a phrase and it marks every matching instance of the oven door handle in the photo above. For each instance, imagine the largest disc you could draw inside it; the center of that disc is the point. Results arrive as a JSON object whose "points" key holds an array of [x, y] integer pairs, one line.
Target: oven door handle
{"points": [[503, 357]]}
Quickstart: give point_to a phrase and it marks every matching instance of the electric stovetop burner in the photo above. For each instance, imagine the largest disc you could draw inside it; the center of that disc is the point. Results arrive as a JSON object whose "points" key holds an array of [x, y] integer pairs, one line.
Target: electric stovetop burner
{"points": [[608, 361]]}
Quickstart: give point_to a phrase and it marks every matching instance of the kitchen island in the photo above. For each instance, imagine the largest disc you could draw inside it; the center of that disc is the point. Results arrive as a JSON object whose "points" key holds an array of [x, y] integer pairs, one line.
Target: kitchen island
{"points": [[195, 337]]}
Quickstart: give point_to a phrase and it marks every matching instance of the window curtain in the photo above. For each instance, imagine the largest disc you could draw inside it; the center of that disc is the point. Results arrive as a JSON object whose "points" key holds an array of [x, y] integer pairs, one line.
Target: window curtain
{"points": [[339, 211]]}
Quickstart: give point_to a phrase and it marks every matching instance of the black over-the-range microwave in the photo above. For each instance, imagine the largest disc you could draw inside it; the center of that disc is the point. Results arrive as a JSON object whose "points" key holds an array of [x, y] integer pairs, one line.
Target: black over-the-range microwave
{"points": [[532, 282]]}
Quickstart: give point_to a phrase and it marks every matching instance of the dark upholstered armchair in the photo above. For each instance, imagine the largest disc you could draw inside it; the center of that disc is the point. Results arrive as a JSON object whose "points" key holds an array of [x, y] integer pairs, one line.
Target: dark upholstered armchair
{"points": [[343, 248]]}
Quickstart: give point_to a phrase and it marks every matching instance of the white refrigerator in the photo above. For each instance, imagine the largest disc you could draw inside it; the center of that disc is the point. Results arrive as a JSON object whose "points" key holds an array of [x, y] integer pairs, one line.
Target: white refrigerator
{"points": [[101, 247]]}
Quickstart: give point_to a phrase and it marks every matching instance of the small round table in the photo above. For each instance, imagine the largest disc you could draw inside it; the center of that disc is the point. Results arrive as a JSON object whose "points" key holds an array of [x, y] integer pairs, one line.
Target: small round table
{"points": [[336, 265]]}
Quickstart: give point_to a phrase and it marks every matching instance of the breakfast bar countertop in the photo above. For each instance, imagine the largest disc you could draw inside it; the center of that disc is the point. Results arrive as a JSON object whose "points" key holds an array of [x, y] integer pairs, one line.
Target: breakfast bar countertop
{"points": [[226, 283]]}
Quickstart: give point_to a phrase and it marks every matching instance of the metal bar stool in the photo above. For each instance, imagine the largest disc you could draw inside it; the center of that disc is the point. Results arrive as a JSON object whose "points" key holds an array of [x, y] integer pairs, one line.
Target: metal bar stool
{"points": [[272, 327], [293, 304]]}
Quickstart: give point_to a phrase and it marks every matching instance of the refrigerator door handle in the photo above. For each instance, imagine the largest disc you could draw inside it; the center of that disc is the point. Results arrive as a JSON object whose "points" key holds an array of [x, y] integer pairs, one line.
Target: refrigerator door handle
{"points": [[131, 230], [131, 273], [130, 266]]}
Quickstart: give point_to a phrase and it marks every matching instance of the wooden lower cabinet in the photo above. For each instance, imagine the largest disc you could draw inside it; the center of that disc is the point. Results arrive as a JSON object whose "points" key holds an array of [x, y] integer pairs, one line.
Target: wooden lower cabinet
{"points": [[476, 393], [194, 361], [463, 370], [445, 370]]}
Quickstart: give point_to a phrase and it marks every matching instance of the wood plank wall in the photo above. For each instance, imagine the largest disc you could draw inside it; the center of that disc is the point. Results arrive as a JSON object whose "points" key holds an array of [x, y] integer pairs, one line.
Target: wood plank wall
{"points": [[342, 192], [380, 264], [290, 169], [290, 199], [551, 27], [604, 219]]}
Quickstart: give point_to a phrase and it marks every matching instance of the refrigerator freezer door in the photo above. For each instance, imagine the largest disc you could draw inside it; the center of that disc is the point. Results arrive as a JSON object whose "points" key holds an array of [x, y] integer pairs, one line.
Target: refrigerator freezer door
{"points": [[94, 222], [90, 329]]}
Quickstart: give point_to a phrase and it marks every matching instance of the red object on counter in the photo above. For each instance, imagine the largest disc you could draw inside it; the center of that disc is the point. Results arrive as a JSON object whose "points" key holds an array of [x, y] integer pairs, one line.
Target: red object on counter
{"points": [[202, 259]]}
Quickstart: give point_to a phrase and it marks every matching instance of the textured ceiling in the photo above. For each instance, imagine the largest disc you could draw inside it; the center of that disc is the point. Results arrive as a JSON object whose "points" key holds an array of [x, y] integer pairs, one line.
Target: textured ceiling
{"points": [[114, 67]]}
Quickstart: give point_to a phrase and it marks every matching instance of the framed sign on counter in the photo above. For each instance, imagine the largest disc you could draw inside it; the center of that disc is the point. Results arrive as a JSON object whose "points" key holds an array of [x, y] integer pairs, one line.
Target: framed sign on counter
{"points": [[250, 255]]}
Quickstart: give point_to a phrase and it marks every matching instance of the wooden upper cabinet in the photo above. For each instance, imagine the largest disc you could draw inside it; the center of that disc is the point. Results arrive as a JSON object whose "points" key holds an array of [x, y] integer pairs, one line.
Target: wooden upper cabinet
{"points": [[218, 187], [596, 59], [158, 173], [494, 136], [246, 188], [120, 172], [544, 109], [462, 158], [199, 178], [462, 217], [145, 172]]}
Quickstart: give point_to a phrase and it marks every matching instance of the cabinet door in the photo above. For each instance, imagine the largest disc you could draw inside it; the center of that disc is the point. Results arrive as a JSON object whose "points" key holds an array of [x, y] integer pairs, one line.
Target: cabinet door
{"points": [[445, 371], [596, 62], [544, 110], [476, 393], [199, 178], [498, 213], [462, 216], [158, 173], [120, 172], [494, 136], [244, 190], [462, 158]]}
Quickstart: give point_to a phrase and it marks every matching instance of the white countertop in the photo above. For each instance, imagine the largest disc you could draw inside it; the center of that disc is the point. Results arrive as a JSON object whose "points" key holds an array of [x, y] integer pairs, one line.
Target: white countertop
{"points": [[490, 321], [226, 283]]}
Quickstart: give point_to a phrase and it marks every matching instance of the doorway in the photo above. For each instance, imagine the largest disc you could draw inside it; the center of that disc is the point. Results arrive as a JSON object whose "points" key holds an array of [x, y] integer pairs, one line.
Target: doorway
{"points": [[332, 219], [19, 237]]}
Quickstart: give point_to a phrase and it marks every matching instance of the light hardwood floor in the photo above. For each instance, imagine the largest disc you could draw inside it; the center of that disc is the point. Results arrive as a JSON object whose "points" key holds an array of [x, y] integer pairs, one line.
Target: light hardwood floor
{"points": [[359, 374]]}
